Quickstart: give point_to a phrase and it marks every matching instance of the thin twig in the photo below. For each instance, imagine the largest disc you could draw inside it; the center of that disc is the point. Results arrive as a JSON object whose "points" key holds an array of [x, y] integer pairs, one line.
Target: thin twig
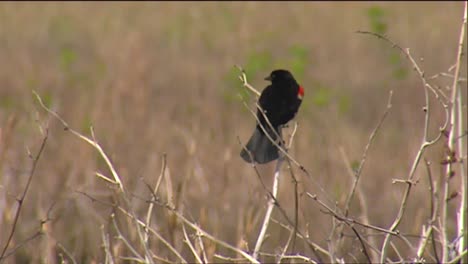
{"points": [[300, 258], [296, 197], [434, 211], [140, 223], [106, 244], [69, 255], [243, 78], [224, 258], [363, 246], [155, 191], [316, 248], [124, 240], [20, 245], [190, 245], [364, 154], [25, 191], [212, 238], [456, 100], [202, 246], [426, 142], [271, 204], [116, 178], [350, 220], [358, 172], [349, 223], [312, 246], [410, 58], [86, 139], [463, 254], [401, 260], [364, 208]]}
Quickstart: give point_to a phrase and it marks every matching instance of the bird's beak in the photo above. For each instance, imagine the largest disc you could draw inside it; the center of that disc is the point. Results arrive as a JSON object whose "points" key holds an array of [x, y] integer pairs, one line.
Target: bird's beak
{"points": [[268, 78]]}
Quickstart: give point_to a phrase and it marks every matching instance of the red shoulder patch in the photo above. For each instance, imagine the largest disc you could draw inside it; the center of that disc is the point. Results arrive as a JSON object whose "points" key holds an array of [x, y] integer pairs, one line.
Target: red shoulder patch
{"points": [[300, 94]]}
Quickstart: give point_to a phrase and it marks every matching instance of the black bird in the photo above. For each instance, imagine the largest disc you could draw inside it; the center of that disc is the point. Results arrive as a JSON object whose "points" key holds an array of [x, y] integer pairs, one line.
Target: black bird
{"points": [[280, 102]]}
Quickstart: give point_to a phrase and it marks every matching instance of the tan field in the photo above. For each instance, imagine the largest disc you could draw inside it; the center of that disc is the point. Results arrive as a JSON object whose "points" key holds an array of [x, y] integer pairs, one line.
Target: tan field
{"points": [[157, 79]]}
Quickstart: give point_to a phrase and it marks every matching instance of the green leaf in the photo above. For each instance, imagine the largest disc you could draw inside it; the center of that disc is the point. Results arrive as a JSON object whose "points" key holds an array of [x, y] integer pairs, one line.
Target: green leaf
{"points": [[376, 19], [375, 13]]}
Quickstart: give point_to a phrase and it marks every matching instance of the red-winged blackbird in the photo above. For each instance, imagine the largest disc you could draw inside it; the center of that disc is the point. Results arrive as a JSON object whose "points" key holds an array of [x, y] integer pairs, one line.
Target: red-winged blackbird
{"points": [[280, 102]]}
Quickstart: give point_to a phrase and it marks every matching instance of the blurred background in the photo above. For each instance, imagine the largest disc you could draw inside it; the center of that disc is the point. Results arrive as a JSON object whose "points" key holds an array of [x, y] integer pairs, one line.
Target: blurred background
{"points": [[159, 78]]}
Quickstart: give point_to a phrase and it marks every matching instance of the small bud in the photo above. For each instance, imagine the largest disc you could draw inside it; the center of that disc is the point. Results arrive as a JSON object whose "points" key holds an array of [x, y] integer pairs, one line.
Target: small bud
{"points": [[444, 162], [451, 174], [445, 132], [452, 195]]}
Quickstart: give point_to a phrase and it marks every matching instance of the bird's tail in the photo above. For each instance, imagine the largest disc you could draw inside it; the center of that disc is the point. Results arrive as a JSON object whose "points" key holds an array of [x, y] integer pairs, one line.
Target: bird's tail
{"points": [[260, 149]]}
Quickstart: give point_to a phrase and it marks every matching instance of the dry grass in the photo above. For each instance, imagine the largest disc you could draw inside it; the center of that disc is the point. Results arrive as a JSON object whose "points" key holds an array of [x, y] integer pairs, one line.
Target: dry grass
{"points": [[155, 78]]}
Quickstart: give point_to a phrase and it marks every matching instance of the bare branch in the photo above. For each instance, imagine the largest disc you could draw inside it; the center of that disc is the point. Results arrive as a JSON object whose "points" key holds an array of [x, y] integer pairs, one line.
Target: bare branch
{"points": [[243, 78], [426, 142], [271, 204], [350, 220], [20, 201], [86, 139], [456, 125], [154, 191], [190, 245], [364, 155]]}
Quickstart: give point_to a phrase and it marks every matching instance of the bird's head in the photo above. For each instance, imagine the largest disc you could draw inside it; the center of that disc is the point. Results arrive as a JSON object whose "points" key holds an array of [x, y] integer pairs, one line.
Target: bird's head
{"points": [[279, 76]]}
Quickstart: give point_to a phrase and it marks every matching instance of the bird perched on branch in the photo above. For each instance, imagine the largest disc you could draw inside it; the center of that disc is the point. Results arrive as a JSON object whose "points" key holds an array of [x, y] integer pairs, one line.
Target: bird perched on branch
{"points": [[279, 102]]}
